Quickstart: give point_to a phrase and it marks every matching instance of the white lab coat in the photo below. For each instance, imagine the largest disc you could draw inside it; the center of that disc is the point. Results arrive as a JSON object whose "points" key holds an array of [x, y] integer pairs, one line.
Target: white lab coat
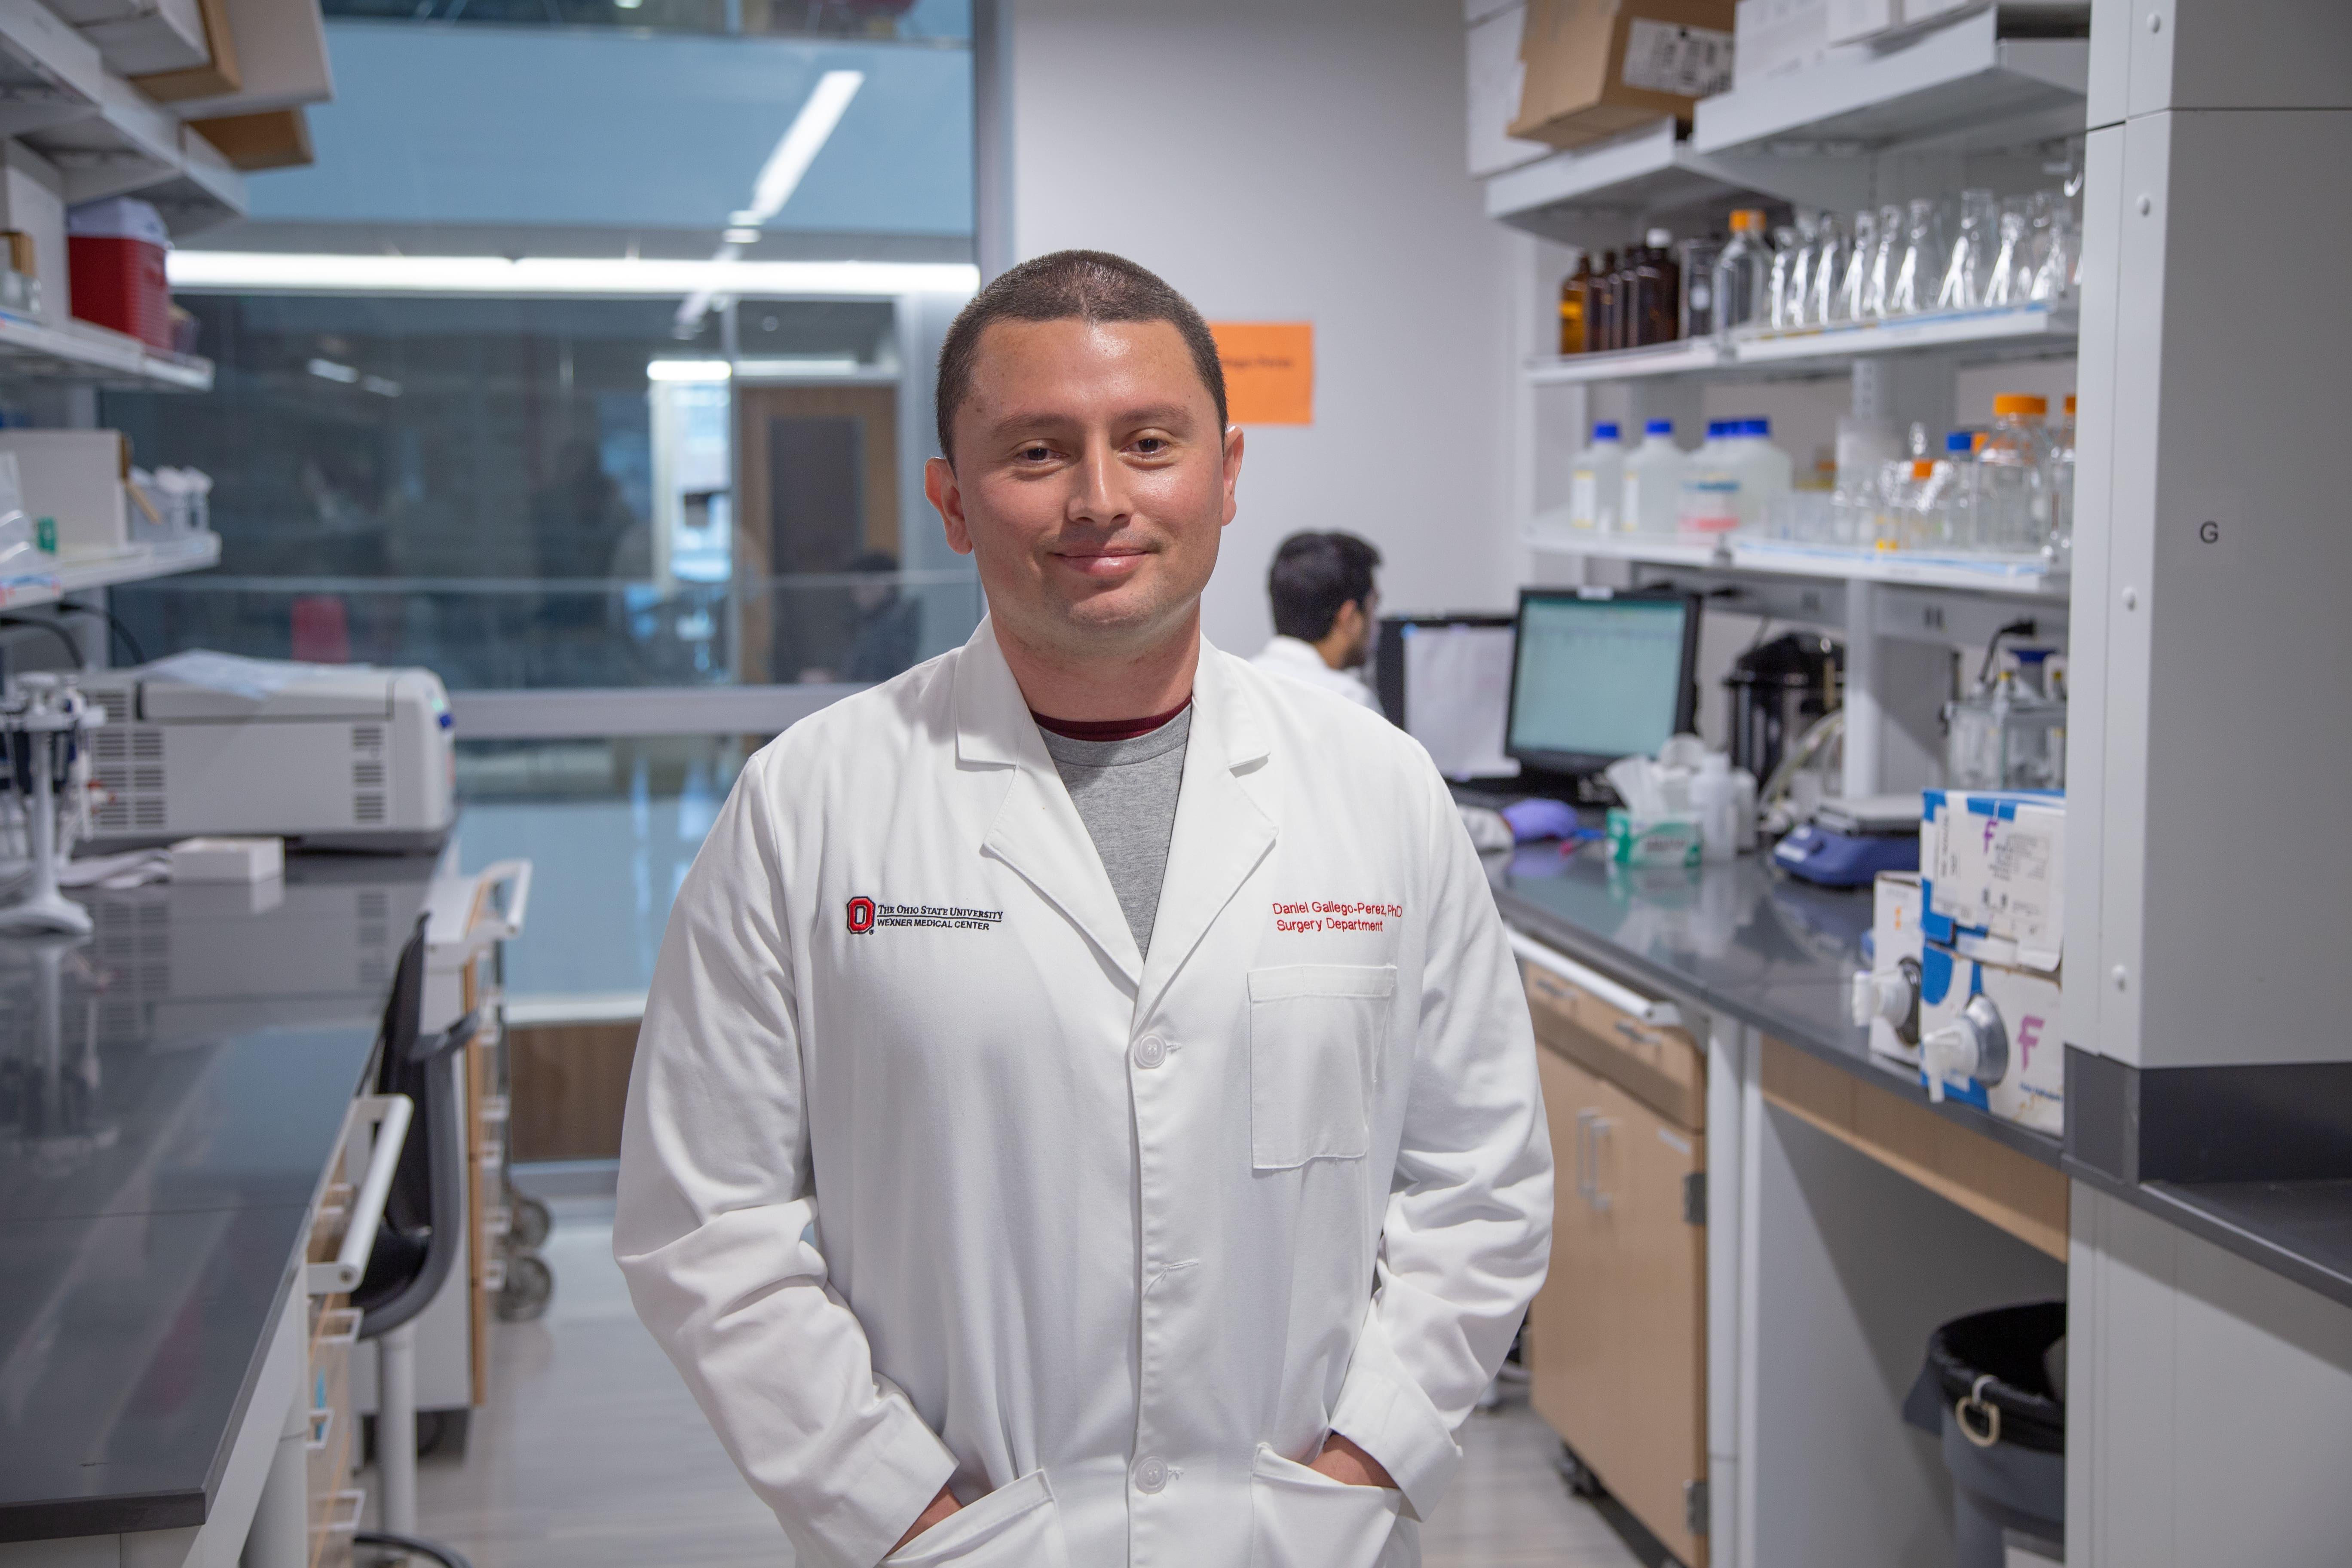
{"points": [[1111, 1243], [1296, 658]]}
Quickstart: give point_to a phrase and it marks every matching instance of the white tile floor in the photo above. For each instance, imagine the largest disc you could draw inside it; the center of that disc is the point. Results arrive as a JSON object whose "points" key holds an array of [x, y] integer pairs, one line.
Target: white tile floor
{"points": [[592, 1455]]}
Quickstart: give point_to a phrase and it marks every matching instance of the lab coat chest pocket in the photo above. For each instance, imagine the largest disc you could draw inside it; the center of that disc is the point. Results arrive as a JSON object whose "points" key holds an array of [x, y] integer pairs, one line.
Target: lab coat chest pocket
{"points": [[1318, 1035]]}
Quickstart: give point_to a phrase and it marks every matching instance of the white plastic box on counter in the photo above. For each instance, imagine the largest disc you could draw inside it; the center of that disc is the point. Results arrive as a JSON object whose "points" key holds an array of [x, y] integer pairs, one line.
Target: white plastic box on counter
{"points": [[1993, 863]]}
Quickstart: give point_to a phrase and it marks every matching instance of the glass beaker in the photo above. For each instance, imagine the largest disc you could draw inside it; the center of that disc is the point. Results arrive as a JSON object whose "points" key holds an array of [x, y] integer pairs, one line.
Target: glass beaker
{"points": [[1829, 247], [1884, 257], [1792, 262], [1921, 262], [2011, 275], [2053, 276]]}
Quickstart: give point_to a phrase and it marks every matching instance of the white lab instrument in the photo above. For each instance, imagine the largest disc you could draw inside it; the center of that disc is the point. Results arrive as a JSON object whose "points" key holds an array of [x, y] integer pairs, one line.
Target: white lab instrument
{"points": [[1989, 1036], [900, 1034], [1885, 996], [333, 757], [42, 718]]}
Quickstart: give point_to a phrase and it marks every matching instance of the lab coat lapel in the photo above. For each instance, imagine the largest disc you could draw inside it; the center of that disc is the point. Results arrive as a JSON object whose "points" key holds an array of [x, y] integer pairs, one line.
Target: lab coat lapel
{"points": [[1220, 834], [1036, 830]]}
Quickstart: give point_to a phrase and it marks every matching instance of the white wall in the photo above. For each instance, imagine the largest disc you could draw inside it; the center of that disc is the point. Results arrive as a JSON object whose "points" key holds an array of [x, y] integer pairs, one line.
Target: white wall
{"points": [[1299, 162]]}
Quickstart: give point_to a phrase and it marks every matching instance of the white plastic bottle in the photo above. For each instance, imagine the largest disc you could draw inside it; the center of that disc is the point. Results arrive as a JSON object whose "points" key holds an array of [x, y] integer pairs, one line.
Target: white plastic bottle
{"points": [[1596, 485], [1765, 471], [1654, 481], [1710, 484]]}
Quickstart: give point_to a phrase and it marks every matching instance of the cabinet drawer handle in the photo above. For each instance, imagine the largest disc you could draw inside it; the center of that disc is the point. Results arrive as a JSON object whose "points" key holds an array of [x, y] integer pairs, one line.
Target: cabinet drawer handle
{"points": [[1598, 1196], [1634, 1032]]}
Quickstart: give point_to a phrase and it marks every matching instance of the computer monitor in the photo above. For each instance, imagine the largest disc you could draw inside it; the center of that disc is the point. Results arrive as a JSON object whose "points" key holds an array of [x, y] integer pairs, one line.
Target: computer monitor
{"points": [[1600, 675], [1445, 680]]}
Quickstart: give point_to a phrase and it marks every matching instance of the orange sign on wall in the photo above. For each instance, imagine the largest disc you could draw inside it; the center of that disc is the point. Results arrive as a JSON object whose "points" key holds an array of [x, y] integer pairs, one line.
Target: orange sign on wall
{"points": [[1269, 371]]}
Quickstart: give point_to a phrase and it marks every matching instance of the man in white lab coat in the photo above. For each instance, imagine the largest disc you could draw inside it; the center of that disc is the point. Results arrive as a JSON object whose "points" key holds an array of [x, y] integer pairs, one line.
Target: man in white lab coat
{"points": [[1326, 610], [1086, 1111]]}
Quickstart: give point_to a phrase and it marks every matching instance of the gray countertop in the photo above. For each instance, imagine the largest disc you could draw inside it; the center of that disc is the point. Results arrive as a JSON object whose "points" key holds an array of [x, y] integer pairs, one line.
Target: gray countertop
{"points": [[1747, 939], [159, 1153]]}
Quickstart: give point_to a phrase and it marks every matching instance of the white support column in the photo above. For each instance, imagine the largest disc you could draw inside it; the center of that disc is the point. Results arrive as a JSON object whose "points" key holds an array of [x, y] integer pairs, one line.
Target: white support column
{"points": [[1864, 691], [1746, 1419], [1729, 1052]]}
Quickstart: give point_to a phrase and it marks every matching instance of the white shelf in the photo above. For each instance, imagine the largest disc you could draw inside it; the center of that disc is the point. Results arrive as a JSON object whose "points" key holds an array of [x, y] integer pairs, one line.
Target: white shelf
{"points": [[1957, 88], [2025, 332], [1687, 356], [2011, 577], [133, 565], [85, 352], [107, 138]]}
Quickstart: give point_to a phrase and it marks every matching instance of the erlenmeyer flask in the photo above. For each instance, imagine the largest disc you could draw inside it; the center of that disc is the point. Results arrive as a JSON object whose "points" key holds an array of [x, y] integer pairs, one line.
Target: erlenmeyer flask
{"points": [[1921, 264], [1966, 269], [1854, 291], [2011, 273], [1830, 250], [1884, 257]]}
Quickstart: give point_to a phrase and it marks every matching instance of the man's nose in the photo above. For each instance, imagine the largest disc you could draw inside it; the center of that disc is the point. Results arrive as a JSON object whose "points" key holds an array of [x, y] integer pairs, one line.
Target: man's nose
{"points": [[1098, 493]]}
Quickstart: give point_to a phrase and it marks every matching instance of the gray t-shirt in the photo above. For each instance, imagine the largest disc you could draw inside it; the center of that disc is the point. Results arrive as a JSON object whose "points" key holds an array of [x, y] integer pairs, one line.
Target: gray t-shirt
{"points": [[1126, 795]]}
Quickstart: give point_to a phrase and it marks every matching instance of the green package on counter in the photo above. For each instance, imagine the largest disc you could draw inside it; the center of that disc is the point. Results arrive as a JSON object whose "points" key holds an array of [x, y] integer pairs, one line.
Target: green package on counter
{"points": [[1652, 841], [45, 534]]}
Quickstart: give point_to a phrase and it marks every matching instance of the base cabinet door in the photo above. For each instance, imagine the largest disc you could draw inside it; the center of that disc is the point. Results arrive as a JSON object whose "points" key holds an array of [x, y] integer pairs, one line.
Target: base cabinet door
{"points": [[1617, 1337]]}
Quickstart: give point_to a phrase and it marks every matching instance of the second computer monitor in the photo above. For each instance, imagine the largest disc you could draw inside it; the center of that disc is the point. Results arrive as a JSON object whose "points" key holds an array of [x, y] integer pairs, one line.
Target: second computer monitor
{"points": [[1600, 675]]}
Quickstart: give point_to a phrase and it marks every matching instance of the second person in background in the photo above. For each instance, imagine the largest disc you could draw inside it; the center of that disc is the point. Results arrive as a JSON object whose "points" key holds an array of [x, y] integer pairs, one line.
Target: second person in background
{"points": [[1326, 607]]}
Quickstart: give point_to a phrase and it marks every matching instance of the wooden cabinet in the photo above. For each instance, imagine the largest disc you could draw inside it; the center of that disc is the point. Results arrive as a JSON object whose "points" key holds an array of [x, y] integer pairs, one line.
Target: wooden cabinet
{"points": [[1617, 1337]]}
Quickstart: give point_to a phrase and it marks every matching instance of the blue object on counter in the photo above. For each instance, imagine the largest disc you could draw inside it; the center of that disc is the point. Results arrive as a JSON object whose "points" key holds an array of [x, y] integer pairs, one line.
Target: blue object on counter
{"points": [[1836, 859], [1539, 816]]}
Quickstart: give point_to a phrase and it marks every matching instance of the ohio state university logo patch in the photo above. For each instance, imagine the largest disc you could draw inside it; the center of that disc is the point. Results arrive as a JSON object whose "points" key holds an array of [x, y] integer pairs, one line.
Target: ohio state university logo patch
{"points": [[861, 916], [867, 915]]}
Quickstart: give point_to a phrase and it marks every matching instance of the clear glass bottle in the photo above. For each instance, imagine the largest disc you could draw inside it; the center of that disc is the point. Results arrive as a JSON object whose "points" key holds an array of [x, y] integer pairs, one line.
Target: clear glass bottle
{"points": [[1921, 267], [2013, 501], [1741, 272], [1698, 257], [1970, 262], [2054, 277], [2061, 547], [1957, 526]]}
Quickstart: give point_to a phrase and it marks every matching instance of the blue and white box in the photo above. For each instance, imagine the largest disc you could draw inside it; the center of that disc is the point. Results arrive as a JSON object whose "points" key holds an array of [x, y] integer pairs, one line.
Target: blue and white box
{"points": [[1992, 867]]}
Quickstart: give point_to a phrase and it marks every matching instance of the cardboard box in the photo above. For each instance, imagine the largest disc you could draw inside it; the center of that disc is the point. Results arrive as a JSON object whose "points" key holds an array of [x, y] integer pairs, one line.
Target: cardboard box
{"points": [[1652, 840], [2030, 1088], [75, 477], [1994, 864], [1773, 37], [1595, 68], [278, 139], [137, 38], [276, 52], [1496, 73], [1850, 21], [32, 203]]}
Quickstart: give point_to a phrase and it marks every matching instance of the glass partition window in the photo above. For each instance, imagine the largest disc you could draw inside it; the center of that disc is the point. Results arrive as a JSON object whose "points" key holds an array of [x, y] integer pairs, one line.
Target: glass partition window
{"points": [[543, 493]]}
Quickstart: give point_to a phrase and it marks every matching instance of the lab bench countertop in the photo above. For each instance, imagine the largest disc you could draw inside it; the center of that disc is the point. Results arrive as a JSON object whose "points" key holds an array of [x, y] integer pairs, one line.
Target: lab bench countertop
{"points": [[1749, 940], [161, 1143]]}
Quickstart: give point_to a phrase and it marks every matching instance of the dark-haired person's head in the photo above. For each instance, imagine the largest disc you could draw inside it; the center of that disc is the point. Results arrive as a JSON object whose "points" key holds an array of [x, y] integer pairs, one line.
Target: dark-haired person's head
{"points": [[1324, 594], [1087, 464]]}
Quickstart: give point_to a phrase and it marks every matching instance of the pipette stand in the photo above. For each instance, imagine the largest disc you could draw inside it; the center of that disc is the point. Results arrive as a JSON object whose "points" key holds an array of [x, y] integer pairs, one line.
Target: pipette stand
{"points": [[43, 907]]}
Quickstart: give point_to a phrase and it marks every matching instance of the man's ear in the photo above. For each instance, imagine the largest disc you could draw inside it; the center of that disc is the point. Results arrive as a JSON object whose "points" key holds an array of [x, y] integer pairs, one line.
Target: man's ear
{"points": [[940, 488], [1232, 465]]}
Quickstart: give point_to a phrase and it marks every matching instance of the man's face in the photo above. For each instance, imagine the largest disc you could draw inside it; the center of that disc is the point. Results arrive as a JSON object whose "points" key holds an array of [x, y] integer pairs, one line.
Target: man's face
{"points": [[1090, 482]]}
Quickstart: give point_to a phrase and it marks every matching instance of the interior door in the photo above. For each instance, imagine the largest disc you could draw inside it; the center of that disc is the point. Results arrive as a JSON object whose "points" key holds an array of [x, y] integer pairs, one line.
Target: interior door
{"points": [[1619, 1330], [817, 476]]}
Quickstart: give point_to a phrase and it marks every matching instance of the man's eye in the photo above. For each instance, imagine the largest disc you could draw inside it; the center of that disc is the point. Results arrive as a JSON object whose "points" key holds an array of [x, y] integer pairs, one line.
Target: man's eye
{"points": [[1151, 445], [1035, 454]]}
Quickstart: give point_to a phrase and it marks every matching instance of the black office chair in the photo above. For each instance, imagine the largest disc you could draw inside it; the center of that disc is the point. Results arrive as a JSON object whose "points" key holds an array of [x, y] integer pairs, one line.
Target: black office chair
{"points": [[420, 1238]]}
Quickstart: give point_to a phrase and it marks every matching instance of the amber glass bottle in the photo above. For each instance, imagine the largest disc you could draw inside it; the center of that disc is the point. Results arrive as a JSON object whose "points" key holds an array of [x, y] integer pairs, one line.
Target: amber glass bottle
{"points": [[1600, 307], [1575, 292], [1658, 290]]}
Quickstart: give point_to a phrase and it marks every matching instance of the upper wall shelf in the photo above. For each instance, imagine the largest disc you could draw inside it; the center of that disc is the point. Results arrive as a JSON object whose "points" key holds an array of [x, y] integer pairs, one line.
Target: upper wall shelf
{"points": [[1958, 88], [137, 565], [85, 352], [106, 137], [2034, 331], [2023, 578]]}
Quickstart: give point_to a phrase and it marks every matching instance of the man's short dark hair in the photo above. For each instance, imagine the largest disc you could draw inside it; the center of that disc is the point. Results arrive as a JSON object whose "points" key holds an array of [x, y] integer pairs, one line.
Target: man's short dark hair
{"points": [[1070, 286], [1313, 575]]}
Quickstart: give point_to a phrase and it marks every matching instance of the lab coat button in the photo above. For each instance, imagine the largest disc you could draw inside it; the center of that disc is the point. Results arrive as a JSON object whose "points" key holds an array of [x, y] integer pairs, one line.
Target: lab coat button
{"points": [[1151, 1474], [1150, 1051]]}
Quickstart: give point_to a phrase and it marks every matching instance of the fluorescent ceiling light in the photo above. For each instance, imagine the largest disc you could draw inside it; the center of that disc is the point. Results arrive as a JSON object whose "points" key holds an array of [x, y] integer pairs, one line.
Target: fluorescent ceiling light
{"points": [[382, 387], [685, 370], [774, 366], [780, 176], [274, 272], [328, 370]]}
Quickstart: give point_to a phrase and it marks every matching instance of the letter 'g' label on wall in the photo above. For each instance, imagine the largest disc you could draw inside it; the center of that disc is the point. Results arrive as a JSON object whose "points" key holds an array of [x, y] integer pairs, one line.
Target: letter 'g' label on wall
{"points": [[1269, 371]]}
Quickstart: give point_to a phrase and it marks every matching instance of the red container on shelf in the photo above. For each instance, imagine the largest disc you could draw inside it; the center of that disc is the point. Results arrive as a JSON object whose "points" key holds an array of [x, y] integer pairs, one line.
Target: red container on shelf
{"points": [[114, 258]]}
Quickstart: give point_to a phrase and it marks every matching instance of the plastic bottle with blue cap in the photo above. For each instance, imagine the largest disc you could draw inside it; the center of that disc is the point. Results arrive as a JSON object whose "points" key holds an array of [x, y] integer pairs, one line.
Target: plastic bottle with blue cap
{"points": [[1596, 484], [1654, 481]]}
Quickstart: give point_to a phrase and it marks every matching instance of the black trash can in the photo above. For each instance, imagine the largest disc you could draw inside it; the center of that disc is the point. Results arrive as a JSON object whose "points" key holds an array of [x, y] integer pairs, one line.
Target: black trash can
{"points": [[1991, 1392]]}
